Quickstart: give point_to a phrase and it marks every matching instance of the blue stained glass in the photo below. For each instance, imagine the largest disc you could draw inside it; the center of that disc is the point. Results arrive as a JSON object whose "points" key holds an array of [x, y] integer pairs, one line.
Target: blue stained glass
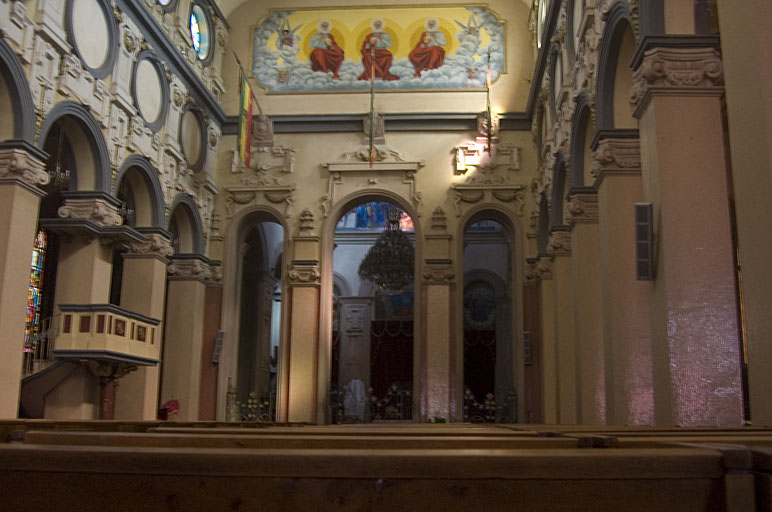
{"points": [[195, 32]]}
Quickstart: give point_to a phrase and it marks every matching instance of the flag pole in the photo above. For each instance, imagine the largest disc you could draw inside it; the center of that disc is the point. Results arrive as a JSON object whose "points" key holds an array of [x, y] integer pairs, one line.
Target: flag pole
{"points": [[252, 86], [372, 103], [488, 100]]}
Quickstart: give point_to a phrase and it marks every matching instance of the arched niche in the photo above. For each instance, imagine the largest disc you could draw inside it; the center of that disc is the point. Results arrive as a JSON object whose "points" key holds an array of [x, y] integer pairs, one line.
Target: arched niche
{"points": [[185, 225], [344, 205], [90, 155], [582, 133], [559, 192], [137, 179], [503, 274], [615, 78], [18, 119], [543, 226], [240, 238]]}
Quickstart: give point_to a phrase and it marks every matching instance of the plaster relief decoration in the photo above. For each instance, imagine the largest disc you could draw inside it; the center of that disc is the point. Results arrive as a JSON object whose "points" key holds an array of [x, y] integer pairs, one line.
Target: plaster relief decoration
{"points": [[616, 156], [677, 71], [18, 164], [260, 188], [485, 151], [442, 47], [387, 170], [97, 211], [486, 185]]}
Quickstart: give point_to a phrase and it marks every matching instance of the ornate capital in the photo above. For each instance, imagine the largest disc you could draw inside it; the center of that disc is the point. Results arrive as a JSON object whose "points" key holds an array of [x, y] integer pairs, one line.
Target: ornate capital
{"points": [[304, 274], [616, 156], [677, 71], [583, 208], [439, 274], [154, 245], [189, 269], [95, 210], [15, 163], [532, 274], [559, 244], [544, 268]]}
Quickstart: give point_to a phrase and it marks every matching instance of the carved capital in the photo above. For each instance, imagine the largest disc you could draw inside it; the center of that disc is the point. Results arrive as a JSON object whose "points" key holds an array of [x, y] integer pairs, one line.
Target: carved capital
{"points": [[559, 244], [439, 274], [154, 245], [583, 208], [677, 71], [544, 268], [95, 210], [532, 274], [304, 274], [616, 156], [189, 269], [15, 163]]}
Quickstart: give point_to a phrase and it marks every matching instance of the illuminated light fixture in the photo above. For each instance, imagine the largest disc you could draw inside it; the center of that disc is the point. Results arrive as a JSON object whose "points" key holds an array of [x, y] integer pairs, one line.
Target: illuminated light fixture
{"points": [[389, 262]]}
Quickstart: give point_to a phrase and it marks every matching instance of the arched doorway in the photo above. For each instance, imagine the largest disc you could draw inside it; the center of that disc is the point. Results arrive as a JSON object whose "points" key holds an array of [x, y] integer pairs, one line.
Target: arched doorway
{"points": [[488, 306], [372, 339], [260, 291]]}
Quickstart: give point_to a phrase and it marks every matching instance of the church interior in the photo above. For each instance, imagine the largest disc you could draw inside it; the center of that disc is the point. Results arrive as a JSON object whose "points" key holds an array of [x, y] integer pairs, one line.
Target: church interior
{"points": [[386, 257]]}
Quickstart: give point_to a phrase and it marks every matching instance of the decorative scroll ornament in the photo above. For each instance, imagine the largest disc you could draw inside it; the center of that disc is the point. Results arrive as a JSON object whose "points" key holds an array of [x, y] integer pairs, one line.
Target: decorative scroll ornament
{"points": [[16, 163], [583, 208], [487, 184], [677, 71], [308, 275], [189, 269], [559, 244], [154, 244], [439, 274], [97, 211], [616, 156]]}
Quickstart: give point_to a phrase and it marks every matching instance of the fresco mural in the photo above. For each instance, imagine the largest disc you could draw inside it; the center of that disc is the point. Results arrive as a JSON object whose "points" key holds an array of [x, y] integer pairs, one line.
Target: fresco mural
{"points": [[406, 48]]}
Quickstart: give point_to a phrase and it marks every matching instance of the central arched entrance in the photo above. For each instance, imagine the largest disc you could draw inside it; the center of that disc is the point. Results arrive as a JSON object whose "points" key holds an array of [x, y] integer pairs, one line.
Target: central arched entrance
{"points": [[372, 345]]}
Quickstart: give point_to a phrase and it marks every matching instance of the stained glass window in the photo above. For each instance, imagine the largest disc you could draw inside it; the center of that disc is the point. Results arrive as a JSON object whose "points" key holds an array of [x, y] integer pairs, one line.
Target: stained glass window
{"points": [[372, 216], [32, 327], [199, 31]]}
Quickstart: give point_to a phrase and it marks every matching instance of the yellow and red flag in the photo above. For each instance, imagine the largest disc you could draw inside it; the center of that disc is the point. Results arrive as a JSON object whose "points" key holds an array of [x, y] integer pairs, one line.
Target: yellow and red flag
{"points": [[245, 120]]}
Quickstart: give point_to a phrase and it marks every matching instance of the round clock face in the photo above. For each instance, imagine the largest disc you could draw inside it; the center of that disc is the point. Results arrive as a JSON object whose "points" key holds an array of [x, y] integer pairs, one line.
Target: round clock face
{"points": [[199, 31]]}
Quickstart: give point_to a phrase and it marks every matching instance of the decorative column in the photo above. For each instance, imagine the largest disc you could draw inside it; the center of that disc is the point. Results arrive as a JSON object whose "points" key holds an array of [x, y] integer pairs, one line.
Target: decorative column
{"points": [[300, 353], [85, 262], [143, 291], [183, 333], [441, 359], [559, 246], [625, 300], [549, 361], [746, 43], [532, 352], [588, 312], [21, 172], [677, 99]]}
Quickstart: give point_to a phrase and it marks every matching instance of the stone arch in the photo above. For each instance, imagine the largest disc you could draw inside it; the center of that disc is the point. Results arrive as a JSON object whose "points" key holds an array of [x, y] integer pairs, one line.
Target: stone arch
{"points": [[190, 228], [142, 177], [326, 285], [15, 98], [513, 230], [235, 236], [581, 137], [92, 158], [559, 191], [615, 49]]}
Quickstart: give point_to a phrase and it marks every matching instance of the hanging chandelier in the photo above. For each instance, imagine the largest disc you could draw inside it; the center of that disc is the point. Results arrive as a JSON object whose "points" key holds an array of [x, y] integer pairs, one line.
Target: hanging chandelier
{"points": [[59, 177], [389, 262]]}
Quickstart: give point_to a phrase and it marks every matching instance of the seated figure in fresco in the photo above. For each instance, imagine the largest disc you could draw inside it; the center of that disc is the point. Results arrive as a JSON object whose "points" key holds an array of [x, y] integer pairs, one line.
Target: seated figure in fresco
{"points": [[326, 54], [380, 41], [428, 52]]}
